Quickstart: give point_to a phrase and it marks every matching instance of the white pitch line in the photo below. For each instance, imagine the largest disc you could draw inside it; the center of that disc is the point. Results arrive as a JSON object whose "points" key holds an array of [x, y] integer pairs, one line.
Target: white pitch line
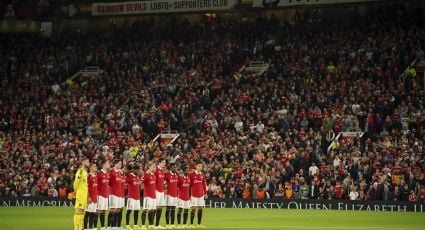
{"points": [[311, 227]]}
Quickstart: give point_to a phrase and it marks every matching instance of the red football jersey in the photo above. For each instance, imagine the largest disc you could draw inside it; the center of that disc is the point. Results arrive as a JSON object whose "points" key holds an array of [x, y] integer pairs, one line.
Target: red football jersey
{"points": [[184, 188], [122, 181], [133, 186], [92, 181], [115, 181], [149, 183], [103, 184], [160, 178], [171, 180], [198, 186]]}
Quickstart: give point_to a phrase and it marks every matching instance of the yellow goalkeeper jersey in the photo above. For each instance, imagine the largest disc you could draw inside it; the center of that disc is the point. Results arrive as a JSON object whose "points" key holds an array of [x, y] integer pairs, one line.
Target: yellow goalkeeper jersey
{"points": [[80, 183]]}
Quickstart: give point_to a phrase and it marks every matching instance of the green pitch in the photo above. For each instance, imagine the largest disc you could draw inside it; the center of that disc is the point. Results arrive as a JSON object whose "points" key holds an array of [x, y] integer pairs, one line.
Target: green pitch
{"points": [[50, 218]]}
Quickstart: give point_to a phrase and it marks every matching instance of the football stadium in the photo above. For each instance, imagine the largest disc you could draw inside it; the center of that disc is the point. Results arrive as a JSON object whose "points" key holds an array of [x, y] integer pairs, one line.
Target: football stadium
{"points": [[212, 114]]}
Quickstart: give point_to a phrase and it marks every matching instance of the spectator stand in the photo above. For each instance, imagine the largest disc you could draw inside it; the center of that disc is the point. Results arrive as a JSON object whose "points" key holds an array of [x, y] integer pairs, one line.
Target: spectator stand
{"points": [[420, 68]]}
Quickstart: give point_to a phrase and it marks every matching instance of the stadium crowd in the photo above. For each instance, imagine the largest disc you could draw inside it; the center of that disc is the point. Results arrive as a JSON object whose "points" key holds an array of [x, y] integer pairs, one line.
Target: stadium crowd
{"points": [[259, 136]]}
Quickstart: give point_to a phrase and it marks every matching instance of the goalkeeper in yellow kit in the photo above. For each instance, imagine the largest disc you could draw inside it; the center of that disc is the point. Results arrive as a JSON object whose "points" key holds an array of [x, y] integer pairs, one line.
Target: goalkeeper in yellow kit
{"points": [[81, 194]]}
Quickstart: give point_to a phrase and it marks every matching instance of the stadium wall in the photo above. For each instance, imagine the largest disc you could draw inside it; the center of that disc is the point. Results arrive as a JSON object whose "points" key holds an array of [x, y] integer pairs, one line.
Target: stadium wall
{"points": [[341, 205]]}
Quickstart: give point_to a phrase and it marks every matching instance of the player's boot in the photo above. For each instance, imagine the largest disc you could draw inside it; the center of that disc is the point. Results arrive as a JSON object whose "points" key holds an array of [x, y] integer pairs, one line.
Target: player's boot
{"points": [[143, 227]]}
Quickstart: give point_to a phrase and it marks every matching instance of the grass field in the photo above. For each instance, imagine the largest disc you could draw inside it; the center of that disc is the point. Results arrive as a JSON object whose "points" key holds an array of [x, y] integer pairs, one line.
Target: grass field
{"points": [[50, 218]]}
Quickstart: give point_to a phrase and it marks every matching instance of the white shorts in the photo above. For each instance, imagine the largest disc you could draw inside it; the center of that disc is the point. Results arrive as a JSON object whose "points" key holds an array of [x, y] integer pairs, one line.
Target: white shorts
{"points": [[160, 199], [133, 204], [171, 200], [115, 202], [122, 202], [149, 203], [91, 207], [197, 202], [183, 203], [102, 203]]}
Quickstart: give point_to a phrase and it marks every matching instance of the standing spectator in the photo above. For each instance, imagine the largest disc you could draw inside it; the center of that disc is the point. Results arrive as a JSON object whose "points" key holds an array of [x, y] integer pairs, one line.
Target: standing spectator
{"points": [[314, 190], [387, 195], [339, 190], [279, 192], [304, 190], [354, 195]]}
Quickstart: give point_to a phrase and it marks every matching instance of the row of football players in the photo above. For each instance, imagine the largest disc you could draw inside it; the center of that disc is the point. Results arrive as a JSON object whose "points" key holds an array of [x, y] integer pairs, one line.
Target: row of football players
{"points": [[161, 189]]}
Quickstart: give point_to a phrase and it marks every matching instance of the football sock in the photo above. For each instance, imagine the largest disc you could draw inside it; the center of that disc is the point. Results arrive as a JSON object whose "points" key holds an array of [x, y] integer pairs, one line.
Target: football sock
{"points": [[127, 217], [81, 220], [144, 217], [136, 216], [114, 219], [172, 214], [158, 216], [118, 219], [185, 215], [167, 215], [110, 219], [192, 216], [76, 221], [179, 215], [86, 220], [93, 223], [102, 219], [151, 216], [199, 215]]}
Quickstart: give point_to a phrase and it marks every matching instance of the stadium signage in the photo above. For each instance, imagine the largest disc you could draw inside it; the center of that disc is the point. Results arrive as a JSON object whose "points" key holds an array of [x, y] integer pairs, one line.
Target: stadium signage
{"points": [[161, 6], [34, 202], [342, 205], [286, 3]]}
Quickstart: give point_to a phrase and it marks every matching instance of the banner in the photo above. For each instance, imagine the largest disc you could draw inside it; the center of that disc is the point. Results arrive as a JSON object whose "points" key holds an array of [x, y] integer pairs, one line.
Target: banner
{"points": [[286, 3], [161, 6], [342, 205], [35, 202]]}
